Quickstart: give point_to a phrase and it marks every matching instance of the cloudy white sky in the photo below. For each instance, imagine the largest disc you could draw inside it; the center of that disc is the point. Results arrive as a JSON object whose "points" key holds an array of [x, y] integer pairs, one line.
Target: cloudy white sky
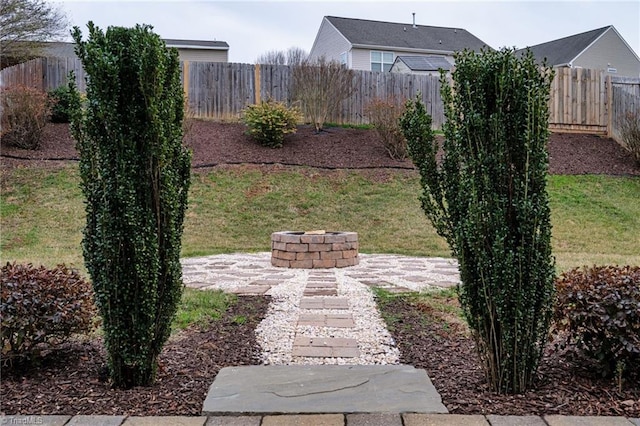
{"points": [[254, 27]]}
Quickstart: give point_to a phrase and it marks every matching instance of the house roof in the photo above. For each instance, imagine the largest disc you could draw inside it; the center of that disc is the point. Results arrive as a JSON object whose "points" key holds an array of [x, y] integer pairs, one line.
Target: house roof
{"points": [[425, 63], [196, 44], [365, 33], [564, 50], [66, 49]]}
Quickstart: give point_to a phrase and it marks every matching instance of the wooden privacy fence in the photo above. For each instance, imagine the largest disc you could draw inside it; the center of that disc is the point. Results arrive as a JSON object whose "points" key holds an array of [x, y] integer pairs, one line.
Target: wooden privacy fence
{"points": [[624, 100], [43, 73], [581, 100], [223, 90]]}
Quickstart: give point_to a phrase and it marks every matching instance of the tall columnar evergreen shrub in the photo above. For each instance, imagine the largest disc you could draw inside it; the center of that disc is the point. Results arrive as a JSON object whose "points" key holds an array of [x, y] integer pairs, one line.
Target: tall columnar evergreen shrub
{"points": [[135, 177], [488, 199]]}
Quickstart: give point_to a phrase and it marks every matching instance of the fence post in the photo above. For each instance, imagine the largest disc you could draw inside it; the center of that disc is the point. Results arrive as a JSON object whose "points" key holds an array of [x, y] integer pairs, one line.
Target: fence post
{"points": [[256, 69], [609, 105], [185, 80]]}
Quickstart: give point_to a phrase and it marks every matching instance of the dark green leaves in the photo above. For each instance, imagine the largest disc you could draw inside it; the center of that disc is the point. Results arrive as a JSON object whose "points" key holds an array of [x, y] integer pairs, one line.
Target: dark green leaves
{"points": [[488, 198], [135, 176]]}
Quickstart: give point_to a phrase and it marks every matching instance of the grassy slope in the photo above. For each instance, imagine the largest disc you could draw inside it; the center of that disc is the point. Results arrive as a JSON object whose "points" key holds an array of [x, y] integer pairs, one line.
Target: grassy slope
{"points": [[596, 219]]}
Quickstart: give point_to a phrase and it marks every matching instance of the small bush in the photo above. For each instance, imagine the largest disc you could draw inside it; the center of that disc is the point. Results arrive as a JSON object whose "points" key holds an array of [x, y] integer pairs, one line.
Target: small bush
{"points": [[62, 102], [630, 131], [385, 116], [599, 310], [269, 121], [24, 115], [41, 308]]}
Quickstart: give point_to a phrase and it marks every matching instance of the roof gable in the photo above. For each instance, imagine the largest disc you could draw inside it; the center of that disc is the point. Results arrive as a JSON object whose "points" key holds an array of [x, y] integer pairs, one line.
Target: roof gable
{"points": [[564, 50], [362, 32], [425, 63], [196, 44]]}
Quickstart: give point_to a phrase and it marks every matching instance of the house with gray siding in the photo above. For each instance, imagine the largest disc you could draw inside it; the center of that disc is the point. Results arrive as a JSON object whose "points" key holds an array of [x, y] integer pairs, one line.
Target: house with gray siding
{"points": [[374, 45], [200, 50], [602, 49]]}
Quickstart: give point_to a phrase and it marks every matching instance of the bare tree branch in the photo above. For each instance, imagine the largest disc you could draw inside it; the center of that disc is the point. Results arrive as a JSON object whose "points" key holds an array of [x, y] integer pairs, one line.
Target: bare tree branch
{"points": [[25, 25]]}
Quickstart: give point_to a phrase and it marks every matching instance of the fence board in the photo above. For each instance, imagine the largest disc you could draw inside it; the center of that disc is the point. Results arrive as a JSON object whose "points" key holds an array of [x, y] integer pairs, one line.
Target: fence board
{"points": [[625, 100], [582, 100]]}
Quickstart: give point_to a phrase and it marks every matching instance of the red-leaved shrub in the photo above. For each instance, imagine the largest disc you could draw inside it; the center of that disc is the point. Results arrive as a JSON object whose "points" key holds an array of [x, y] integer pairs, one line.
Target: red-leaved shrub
{"points": [[598, 309], [41, 308]]}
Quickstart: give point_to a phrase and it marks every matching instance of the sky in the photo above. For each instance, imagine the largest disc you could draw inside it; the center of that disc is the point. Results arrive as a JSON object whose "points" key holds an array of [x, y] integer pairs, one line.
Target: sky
{"points": [[252, 28]]}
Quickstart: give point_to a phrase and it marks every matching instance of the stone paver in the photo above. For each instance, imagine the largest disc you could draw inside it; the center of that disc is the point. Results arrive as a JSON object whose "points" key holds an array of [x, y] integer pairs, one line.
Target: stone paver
{"points": [[96, 421], [320, 292], [165, 421], [381, 419], [554, 420], [302, 389], [251, 290], [443, 420], [636, 422], [328, 320], [515, 420], [324, 303], [234, 421], [304, 420], [321, 284], [328, 351]]}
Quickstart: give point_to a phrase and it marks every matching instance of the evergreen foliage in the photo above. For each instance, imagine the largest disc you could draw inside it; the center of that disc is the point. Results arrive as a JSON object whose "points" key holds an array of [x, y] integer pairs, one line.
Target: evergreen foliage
{"points": [[488, 199], [269, 121], [135, 177]]}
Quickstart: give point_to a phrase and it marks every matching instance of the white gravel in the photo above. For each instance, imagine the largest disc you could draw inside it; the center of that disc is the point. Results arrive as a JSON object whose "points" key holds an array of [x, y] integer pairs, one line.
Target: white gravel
{"points": [[277, 331]]}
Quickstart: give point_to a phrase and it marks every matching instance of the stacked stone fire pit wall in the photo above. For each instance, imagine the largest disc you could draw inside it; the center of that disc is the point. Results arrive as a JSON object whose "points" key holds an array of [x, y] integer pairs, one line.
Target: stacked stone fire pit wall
{"points": [[300, 250]]}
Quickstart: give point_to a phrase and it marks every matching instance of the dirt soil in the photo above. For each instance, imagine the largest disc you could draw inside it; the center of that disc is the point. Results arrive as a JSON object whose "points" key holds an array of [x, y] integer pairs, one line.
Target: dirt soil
{"points": [[214, 143], [72, 380]]}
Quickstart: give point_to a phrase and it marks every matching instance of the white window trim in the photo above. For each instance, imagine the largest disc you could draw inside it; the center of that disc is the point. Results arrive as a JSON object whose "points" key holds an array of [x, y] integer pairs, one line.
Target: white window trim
{"points": [[382, 62]]}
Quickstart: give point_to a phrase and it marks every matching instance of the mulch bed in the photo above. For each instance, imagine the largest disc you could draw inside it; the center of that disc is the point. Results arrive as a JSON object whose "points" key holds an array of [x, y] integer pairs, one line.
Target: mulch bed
{"points": [[449, 356], [71, 380], [217, 143]]}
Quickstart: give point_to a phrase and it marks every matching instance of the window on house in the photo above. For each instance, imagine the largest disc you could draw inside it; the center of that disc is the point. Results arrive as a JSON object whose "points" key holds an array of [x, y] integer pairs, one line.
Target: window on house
{"points": [[343, 58], [381, 61]]}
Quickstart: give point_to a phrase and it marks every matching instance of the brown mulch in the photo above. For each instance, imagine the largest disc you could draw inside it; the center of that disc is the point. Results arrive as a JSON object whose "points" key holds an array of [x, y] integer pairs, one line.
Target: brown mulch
{"points": [[449, 356], [71, 380], [216, 143]]}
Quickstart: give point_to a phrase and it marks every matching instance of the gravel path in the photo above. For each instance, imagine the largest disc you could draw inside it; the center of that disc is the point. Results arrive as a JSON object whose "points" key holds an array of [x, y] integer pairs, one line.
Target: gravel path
{"points": [[321, 316]]}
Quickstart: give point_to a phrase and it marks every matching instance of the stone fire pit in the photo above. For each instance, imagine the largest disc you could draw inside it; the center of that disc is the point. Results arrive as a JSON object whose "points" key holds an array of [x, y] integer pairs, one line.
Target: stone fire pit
{"points": [[314, 249]]}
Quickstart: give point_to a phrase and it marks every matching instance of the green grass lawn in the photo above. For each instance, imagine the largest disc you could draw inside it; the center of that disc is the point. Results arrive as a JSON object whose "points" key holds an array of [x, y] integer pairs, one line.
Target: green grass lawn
{"points": [[596, 219]]}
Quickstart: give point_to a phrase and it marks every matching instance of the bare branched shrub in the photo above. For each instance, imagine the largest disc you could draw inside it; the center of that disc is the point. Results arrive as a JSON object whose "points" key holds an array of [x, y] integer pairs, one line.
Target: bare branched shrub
{"points": [[25, 112], [630, 131], [384, 114], [321, 86]]}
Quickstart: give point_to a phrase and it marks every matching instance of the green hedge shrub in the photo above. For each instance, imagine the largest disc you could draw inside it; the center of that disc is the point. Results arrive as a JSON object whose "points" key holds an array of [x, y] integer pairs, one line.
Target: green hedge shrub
{"points": [[25, 113], [488, 199], [62, 102], [269, 121], [598, 309], [41, 308], [135, 175]]}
